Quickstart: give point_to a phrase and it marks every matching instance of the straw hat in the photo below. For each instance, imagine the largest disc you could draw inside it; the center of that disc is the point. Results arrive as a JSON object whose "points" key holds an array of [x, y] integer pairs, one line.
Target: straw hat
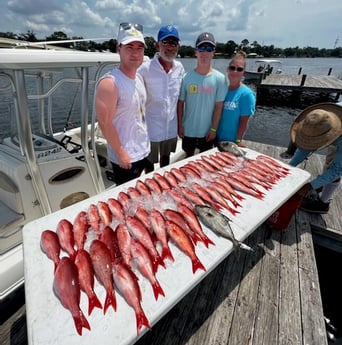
{"points": [[317, 126]]}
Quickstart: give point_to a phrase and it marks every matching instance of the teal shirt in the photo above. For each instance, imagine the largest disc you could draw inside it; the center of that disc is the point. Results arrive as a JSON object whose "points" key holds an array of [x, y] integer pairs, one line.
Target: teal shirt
{"points": [[237, 102], [200, 93]]}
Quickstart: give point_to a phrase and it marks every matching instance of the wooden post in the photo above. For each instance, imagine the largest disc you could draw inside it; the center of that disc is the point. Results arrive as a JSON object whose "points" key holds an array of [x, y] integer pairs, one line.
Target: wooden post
{"points": [[300, 71], [303, 80], [330, 69]]}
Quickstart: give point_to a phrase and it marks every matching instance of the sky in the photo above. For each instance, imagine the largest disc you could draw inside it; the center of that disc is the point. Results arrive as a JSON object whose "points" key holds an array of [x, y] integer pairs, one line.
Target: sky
{"points": [[282, 23]]}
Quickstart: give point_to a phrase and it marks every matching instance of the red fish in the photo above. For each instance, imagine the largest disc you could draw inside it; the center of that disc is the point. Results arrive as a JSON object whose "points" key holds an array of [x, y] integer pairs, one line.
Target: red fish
{"points": [[179, 219], [241, 178], [179, 237], [242, 188], [116, 209], [126, 283], [86, 278], [141, 234], [133, 193], [94, 218], [178, 197], [206, 165], [273, 164], [124, 243], [142, 188], [67, 288], [191, 196], [178, 175], [162, 181], [220, 187], [194, 224], [109, 238], [104, 212], [144, 217], [171, 179], [124, 200], [80, 229], [66, 237], [49, 243], [159, 228], [143, 261], [102, 263], [188, 171], [205, 195], [153, 185], [216, 196]]}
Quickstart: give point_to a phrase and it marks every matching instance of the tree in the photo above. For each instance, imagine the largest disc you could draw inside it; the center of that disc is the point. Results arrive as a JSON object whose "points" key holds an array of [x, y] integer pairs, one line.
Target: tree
{"points": [[30, 36]]}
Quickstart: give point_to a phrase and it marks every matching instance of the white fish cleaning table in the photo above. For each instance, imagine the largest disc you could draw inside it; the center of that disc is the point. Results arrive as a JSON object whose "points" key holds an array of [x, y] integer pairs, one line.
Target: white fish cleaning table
{"points": [[49, 323]]}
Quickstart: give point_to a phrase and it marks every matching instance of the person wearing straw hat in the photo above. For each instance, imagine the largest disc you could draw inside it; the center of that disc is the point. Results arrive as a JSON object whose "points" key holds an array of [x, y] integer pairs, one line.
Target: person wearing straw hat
{"points": [[318, 127]]}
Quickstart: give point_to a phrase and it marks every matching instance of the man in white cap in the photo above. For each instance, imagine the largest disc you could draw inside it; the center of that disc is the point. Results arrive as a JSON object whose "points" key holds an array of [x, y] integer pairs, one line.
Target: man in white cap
{"points": [[315, 128], [120, 107], [162, 76]]}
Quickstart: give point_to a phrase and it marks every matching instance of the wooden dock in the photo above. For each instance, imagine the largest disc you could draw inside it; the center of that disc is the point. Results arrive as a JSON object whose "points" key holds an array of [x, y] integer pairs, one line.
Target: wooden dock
{"points": [[268, 297], [301, 83]]}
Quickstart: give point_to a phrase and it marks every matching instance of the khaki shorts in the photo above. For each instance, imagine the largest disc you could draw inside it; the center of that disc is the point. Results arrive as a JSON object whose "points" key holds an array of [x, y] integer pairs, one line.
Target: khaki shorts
{"points": [[162, 148]]}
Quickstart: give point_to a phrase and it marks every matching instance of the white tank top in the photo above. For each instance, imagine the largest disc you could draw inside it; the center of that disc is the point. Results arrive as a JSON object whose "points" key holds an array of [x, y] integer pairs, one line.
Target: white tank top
{"points": [[129, 120]]}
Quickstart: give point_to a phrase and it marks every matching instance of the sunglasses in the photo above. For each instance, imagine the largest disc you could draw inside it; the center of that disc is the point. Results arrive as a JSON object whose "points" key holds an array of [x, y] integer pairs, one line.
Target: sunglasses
{"points": [[169, 43], [128, 26], [234, 68], [208, 49]]}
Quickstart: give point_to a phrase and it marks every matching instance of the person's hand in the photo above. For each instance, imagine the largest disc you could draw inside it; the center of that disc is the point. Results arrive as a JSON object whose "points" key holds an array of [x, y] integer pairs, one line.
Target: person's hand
{"points": [[124, 159], [241, 144], [210, 136], [305, 190]]}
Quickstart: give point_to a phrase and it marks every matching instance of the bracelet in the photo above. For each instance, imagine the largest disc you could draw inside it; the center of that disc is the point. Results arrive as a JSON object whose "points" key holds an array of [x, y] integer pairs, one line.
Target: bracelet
{"points": [[213, 129], [238, 140]]}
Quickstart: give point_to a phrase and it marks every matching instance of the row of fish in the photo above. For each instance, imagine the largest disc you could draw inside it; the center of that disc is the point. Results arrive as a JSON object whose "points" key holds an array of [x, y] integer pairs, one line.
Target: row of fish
{"points": [[114, 239]]}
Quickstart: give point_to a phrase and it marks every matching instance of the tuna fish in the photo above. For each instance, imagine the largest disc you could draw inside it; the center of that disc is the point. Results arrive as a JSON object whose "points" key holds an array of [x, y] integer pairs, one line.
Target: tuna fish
{"points": [[219, 223]]}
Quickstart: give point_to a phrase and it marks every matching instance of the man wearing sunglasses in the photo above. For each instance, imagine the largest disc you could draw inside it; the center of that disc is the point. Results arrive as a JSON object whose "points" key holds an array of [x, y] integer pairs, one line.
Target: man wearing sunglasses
{"points": [[162, 76], [201, 99], [120, 107]]}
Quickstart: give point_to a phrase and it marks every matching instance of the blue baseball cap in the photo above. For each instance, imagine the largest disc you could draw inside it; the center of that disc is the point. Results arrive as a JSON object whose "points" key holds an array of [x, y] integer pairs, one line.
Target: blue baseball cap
{"points": [[167, 31]]}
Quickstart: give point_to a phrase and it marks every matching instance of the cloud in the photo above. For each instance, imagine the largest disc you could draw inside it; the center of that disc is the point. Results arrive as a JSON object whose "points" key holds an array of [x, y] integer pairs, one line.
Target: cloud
{"points": [[286, 23]]}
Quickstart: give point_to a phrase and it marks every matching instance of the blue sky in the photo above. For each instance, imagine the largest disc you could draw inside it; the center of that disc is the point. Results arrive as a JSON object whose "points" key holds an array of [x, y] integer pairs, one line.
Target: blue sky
{"points": [[283, 23]]}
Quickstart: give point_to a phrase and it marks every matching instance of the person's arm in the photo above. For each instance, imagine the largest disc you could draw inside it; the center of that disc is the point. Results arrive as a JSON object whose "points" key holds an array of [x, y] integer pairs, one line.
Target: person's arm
{"points": [[243, 121], [180, 112], [105, 103], [211, 135]]}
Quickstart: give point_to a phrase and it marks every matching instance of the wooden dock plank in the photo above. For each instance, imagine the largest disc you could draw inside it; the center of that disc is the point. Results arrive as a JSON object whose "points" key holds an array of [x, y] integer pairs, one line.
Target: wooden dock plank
{"points": [[314, 83]]}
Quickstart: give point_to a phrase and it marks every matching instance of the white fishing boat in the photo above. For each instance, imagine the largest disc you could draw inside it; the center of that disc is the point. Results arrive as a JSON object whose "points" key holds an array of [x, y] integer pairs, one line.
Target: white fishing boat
{"points": [[263, 67], [42, 169]]}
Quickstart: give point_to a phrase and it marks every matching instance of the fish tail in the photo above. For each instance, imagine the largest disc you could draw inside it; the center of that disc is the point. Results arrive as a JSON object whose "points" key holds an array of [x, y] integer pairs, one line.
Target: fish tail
{"points": [[232, 211], [81, 322], [110, 300], [207, 241], [166, 253], [93, 302], [156, 262], [157, 290], [197, 264], [142, 320]]}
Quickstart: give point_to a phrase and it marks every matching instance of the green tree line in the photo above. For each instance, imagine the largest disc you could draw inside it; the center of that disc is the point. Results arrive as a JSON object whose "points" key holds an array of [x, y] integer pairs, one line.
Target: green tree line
{"points": [[223, 50]]}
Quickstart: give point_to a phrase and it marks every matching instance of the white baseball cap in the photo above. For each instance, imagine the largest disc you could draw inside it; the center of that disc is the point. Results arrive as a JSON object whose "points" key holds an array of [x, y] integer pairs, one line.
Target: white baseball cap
{"points": [[129, 32]]}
